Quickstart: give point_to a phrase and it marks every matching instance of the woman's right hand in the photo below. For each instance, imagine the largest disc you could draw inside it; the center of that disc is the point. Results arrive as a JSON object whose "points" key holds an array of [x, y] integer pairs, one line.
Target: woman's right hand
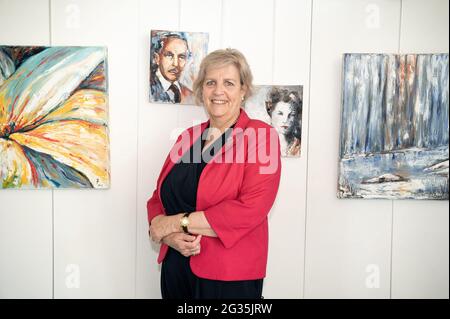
{"points": [[187, 245]]}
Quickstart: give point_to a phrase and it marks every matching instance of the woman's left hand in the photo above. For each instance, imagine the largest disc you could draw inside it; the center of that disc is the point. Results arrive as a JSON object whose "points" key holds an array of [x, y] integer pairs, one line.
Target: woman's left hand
{"points": [[162, 226]]}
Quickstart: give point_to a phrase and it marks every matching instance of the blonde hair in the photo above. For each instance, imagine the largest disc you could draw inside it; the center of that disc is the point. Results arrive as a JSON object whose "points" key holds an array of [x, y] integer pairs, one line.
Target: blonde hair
{"points": [[219, 58]]}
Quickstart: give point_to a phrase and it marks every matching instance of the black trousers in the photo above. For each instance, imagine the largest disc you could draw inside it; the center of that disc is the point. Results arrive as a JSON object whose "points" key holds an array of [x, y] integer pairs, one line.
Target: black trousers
{"points": [[178, 282]]}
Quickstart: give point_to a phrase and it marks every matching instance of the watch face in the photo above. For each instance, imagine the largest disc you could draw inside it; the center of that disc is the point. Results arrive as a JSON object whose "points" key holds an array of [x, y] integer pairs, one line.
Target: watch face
{"points": [[184, 221]]}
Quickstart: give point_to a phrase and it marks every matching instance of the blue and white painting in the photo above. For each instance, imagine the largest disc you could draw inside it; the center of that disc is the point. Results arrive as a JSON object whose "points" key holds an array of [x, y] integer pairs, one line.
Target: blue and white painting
{"points": [[394, 127]]}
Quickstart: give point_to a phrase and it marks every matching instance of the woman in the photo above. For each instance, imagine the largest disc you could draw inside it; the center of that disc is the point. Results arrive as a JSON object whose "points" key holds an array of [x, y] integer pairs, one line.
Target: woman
{"points": [[209, 210], [284, 108]]}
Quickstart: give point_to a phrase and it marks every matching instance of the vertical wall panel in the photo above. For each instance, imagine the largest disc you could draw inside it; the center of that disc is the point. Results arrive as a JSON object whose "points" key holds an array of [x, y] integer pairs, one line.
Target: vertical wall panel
{"points": [[248, 26], [157, 124], [95, 230], [348, 241], [24, 22], [287, 218], [25, 244], [424, 26], [200, 16], [420, 259], [420, 250], [203, 16], [25, 215]]}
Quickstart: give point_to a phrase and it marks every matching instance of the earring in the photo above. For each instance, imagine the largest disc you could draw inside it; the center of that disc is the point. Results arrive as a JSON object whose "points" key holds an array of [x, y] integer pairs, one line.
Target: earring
{"points": [[242, 99]]}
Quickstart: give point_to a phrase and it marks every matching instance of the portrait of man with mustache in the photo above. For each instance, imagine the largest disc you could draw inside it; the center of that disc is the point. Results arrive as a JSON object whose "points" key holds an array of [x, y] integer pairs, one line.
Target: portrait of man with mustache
{"points": [[170, 54]]}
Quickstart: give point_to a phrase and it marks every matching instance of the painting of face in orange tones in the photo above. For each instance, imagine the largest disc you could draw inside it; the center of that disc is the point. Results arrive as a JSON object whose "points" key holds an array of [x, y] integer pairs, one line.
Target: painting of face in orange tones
{"points": [[175, 58], [53, 117]]}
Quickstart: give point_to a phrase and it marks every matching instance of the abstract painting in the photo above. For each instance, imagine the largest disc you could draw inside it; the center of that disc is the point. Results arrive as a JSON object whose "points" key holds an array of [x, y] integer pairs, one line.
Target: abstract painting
{"points": [[53, 117], [281, 107], [174, 63], [394, 127]]}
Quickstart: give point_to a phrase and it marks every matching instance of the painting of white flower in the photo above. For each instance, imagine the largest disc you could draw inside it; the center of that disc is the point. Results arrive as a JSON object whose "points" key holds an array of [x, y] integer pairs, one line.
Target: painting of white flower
{"points": [[53, 117]]}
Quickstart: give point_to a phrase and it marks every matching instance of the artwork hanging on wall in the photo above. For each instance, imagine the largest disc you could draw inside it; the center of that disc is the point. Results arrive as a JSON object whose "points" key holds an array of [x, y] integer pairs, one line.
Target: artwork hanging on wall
{"points": [[174, 63], [394, 127], [281, 107], [53, 117]]}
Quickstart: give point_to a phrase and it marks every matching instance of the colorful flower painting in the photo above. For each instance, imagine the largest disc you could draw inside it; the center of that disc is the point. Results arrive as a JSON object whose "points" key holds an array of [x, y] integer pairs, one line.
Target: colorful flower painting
{"points": [[395, 127], [281, 107], [53, 117]]}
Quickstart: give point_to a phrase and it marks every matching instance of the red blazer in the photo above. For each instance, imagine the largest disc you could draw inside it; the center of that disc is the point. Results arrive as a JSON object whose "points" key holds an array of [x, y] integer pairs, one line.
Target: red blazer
{"points": [[236, 197]]}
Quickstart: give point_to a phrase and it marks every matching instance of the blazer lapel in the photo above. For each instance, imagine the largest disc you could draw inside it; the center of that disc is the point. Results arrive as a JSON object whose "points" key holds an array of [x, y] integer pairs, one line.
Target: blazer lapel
{"points": [[194, 134], [185, 144], [238, 130]]}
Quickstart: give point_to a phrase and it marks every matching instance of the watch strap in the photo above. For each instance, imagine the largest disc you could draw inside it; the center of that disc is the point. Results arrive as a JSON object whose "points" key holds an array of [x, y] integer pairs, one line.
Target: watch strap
{"points": [[183, 226]]}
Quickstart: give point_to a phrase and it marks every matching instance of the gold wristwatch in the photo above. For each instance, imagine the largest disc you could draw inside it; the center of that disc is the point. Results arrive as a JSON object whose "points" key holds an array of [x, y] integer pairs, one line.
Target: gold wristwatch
{"points": [[184, 222]]}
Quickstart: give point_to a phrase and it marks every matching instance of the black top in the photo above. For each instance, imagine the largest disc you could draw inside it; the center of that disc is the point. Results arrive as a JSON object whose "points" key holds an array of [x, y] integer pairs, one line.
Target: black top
{"points": [[179, 194], [179, 188]]}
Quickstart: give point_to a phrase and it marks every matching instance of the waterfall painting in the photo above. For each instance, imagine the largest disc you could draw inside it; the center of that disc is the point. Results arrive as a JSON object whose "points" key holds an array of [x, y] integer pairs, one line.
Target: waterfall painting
{"points": [[53, 117], [394, 127]]}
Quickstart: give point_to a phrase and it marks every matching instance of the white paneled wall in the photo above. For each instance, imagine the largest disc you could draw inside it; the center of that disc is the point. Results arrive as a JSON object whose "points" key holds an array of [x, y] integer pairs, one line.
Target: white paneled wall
{"points": [[95, 230], [291, 57], [156, 123], [344, 237], [26, 256], [253, 36], [420, 260], [320, 247]]}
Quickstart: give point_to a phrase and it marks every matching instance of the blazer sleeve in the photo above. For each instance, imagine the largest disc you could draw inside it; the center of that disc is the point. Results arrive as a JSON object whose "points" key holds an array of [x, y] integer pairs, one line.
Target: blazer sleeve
{"points": [[233, 219], [154, 204], [154, 207]]}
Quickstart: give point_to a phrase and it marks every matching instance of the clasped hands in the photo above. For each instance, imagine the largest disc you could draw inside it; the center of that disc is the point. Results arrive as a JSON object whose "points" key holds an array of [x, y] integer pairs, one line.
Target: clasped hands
{"points": [[167, 229]]}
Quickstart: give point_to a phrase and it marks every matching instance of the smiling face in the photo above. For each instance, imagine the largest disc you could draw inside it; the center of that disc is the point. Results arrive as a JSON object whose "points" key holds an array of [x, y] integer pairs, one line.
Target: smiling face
{"points": [[222, 93], [282, 117], [172, 58]]}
